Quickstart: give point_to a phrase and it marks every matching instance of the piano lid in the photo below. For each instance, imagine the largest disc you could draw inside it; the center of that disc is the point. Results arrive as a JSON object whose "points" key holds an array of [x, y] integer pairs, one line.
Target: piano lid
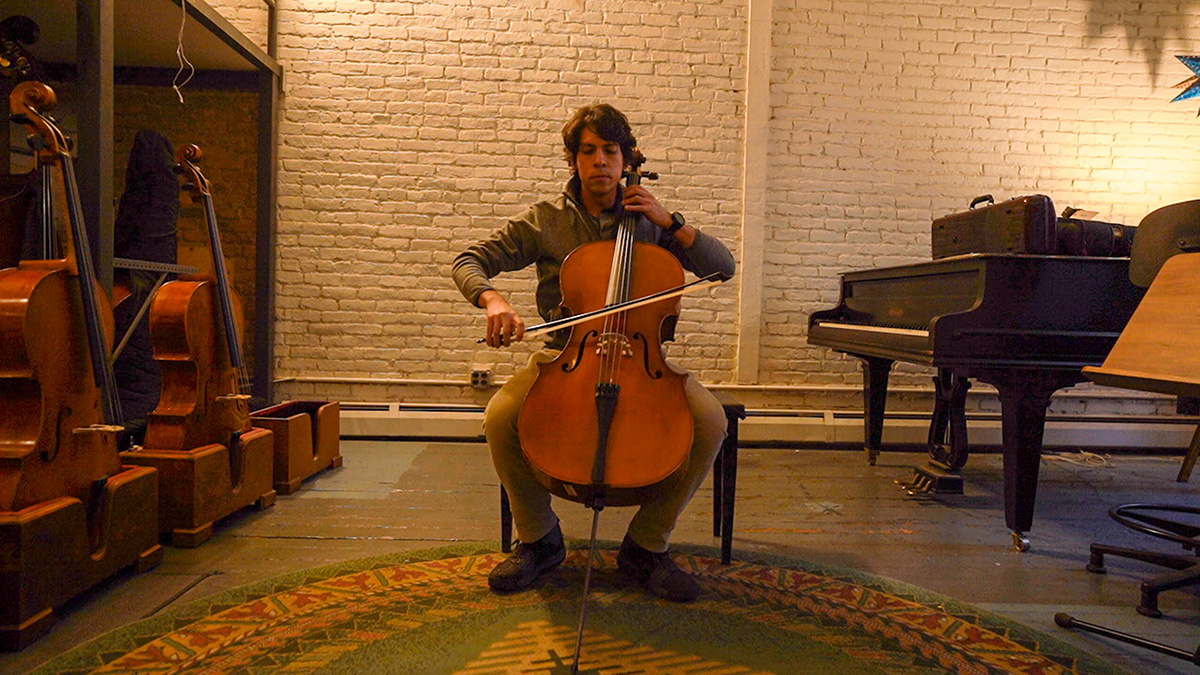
{"points": [[1003, 310]]}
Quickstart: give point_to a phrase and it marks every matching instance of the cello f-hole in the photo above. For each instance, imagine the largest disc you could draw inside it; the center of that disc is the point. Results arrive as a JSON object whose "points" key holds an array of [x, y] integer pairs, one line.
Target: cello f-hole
{"points": [[569, 367], [654, 374]]}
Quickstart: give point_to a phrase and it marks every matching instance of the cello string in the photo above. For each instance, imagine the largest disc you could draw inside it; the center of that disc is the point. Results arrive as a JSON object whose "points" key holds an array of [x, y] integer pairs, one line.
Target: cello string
{"points": [[622, 254], [621, 318], [610, 322], [613, 275]]}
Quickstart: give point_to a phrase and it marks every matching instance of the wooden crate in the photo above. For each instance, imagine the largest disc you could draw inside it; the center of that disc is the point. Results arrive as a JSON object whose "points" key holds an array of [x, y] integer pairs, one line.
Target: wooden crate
{"points": [[306, 439]]}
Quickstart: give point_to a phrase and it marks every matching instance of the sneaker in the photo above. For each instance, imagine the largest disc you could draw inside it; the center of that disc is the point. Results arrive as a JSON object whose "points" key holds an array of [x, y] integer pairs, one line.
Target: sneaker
{"points": [[528, 562], [657, 572]]}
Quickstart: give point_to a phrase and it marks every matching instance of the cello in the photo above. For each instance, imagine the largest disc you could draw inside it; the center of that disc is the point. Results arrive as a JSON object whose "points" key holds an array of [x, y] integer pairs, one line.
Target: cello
{"points": [[195, 326], [59, 412], [607, 421]]}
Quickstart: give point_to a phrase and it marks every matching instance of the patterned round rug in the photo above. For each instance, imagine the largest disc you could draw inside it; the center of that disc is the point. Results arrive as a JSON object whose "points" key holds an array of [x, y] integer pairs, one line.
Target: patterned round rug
{"points": [[429, 612]]}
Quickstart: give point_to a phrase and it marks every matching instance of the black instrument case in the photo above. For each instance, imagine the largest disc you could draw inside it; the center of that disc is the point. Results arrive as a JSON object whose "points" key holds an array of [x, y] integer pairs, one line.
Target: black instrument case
{"points": [[1020, 225]]}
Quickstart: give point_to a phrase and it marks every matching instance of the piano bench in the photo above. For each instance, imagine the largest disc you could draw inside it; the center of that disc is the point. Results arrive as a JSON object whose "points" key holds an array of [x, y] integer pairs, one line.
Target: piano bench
{"points": [[724, 475]]}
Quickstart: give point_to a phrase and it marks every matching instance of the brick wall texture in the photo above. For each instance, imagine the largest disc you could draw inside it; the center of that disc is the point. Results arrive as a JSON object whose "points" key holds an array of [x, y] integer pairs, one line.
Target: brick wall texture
{"points": [[409, 129]]}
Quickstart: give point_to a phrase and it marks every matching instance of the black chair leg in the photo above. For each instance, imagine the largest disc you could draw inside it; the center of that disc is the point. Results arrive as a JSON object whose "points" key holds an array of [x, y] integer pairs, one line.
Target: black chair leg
{"points": [[505, 522], [718, 490], [1140, 517], [1174, 561], [1165, 582], [1069, 622]]}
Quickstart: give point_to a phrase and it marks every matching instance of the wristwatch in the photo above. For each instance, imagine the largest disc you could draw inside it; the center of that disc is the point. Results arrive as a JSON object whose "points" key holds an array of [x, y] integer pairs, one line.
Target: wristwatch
{"points": [[676, 223]]}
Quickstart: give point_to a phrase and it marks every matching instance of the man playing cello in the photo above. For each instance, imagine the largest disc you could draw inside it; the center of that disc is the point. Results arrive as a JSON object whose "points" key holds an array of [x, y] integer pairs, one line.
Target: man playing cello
{"points": [[598, 145]]}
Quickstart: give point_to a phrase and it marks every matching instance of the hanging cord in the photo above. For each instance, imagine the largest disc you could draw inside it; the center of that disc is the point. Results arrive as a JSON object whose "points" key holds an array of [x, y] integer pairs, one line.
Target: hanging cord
{"points": [[183, 60], [1082, 458]]}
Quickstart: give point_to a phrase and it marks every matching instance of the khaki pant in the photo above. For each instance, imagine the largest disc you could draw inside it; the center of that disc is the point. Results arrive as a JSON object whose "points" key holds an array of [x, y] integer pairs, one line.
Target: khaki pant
{"points": [[533, 517]]}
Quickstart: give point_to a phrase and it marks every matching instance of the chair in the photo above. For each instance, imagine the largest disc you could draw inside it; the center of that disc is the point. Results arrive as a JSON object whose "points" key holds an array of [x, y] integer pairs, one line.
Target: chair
{"points": [[724, 484], [1159, 351]]}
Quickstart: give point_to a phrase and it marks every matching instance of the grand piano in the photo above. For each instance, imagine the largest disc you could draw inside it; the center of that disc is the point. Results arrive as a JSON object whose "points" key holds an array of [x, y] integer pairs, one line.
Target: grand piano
{"points": [[1026, 324]]}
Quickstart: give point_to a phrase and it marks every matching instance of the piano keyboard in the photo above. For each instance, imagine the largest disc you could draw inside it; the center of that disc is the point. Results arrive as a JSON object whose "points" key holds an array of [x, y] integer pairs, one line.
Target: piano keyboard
{"points": [[862, 328]]}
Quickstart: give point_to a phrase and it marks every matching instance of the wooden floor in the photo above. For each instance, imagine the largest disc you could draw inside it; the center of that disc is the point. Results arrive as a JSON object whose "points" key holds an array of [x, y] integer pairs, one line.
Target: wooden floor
{"points": [[825, 506]]}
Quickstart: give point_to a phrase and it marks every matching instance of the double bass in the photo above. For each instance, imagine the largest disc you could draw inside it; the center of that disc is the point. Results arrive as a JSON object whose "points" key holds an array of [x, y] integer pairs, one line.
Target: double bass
{"points": [[59, 411], [195, 328], [607, 422]]}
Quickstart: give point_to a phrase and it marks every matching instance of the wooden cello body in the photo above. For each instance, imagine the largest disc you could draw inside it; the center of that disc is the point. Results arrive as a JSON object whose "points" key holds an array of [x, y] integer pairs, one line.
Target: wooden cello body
{"points": [[56, 441], [70, 513], [55, 374], [607, 421], [212, 462], [644, 441]]}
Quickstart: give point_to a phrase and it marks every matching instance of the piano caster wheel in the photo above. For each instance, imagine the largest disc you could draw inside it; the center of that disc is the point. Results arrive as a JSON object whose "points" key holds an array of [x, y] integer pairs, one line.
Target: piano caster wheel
{"points": [[1020, 541]]}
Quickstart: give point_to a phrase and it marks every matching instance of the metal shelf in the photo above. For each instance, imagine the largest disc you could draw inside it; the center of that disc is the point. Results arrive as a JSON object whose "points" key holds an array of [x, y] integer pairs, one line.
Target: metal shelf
{"points": [[98, 39]]}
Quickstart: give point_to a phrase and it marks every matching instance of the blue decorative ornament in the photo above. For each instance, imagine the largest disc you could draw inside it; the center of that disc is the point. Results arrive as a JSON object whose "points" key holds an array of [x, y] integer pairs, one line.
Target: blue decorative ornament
{"points": [[1192, 83]]}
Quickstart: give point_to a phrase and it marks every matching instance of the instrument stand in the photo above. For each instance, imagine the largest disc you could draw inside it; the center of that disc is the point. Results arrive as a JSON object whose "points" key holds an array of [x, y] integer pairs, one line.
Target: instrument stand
{"points": [[306, 440], [57, 549], [200, 486]]}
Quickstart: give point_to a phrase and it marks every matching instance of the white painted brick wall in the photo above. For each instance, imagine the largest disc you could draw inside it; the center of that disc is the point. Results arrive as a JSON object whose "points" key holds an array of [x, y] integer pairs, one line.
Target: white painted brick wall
{"points": [[412, 128], [888, 114], [248, 16]]}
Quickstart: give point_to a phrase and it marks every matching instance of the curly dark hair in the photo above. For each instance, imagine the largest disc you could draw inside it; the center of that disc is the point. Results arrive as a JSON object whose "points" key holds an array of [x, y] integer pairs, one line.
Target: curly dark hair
{"points": [[606, 121]]}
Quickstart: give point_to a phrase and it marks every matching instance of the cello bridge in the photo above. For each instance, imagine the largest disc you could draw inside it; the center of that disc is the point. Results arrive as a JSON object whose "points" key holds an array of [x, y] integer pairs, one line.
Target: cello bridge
{"points": [[613, 343]]}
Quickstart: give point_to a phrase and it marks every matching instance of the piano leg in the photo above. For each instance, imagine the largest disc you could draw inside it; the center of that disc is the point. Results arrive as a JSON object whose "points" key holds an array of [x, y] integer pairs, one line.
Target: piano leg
{"points": [[1024, 397], [875, 383]]}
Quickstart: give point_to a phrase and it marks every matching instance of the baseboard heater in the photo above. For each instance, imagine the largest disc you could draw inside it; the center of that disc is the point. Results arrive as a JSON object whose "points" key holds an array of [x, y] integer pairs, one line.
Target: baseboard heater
{"points": [[802, 427]]}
